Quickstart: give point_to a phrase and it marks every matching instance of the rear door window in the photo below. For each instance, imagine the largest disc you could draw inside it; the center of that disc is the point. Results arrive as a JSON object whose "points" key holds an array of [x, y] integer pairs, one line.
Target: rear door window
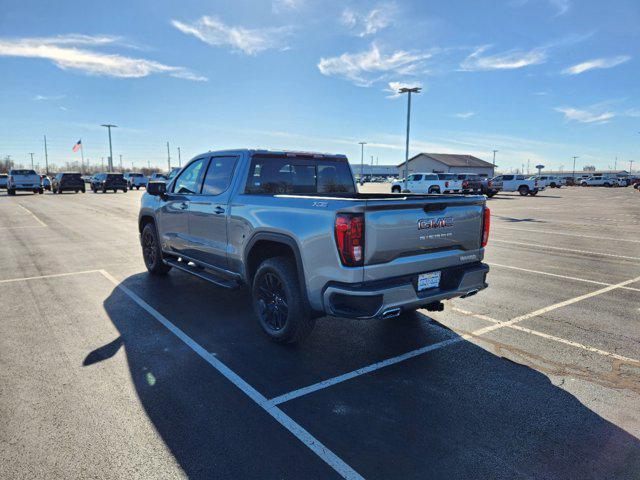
{"points": [[218, 175], [295, 175]]}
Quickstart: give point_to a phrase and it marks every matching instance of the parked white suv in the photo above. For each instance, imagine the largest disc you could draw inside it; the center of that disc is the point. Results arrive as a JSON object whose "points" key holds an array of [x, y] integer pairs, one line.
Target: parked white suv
{"points": [[548, 181], [424, 183], [518, 183], [600, 181]]}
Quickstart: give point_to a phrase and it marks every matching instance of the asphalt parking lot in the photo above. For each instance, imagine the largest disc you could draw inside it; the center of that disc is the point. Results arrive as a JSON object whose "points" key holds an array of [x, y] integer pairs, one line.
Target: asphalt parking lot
{"points": [[107, 372]]}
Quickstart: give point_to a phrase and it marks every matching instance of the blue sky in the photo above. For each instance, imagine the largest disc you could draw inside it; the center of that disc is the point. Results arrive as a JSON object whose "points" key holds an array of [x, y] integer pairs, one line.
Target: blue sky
{"points": [[538, 80]]}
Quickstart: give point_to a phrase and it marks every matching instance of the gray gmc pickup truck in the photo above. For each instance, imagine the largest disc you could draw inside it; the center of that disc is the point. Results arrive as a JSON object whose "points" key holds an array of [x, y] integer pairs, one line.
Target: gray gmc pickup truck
{"points": [[294, 229]]}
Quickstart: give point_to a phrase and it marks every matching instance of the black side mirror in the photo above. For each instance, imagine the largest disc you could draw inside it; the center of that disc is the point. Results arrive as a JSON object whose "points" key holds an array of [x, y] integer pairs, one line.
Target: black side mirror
{"points": [[156, 188]]}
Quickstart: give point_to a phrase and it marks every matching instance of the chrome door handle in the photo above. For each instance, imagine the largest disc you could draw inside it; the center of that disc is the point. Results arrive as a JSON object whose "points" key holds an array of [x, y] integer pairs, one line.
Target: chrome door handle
{"points": [[184, 205], [218, 210]]}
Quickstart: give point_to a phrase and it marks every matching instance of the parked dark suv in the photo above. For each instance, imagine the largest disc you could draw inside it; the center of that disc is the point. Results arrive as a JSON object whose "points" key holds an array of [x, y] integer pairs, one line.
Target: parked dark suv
{"points": [[67, 182], [108, 181]]}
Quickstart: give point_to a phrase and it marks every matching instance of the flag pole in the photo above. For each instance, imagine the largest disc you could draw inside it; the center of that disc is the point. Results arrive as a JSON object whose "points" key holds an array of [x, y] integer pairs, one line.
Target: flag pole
{"points": [[82, 157]]}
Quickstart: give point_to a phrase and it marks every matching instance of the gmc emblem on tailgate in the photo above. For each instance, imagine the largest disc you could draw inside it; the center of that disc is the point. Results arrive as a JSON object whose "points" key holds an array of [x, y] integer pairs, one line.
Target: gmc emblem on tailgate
{"points": [[431, 223]]}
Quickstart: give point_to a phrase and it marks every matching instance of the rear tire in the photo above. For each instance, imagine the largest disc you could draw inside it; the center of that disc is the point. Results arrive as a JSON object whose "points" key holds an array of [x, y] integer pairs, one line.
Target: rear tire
{"points": [[151, 251], [491, 194], [124, 190], [395, 189], [137, 187], [41, 191], [278, 301], [433, 190], [523, 190], [533, 193]]}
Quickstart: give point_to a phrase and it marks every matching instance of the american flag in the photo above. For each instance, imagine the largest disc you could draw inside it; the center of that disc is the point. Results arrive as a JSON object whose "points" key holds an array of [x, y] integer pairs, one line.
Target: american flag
{"points": [[77, 146]]}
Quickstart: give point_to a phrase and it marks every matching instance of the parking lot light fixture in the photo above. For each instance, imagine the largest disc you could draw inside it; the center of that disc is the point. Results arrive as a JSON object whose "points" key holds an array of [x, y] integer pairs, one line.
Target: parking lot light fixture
{"points": [[574, 167], [362, 144], [110, 162], [408, 91]]}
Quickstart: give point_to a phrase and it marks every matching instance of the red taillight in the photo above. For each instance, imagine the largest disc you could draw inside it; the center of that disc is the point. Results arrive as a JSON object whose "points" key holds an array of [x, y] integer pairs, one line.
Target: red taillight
{"points": [[486, 225], [465, 184], [446, 184], [350, 238]]}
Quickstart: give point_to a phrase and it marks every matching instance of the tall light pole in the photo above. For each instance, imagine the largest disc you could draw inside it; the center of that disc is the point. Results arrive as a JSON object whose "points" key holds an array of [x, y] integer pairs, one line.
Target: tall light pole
{"points": [[168, 158], [30, 153], [630, 166], [494, 158], [179, 158], [110, 162], [362, 144], [408, 91], [46, 156], [574, 168]]}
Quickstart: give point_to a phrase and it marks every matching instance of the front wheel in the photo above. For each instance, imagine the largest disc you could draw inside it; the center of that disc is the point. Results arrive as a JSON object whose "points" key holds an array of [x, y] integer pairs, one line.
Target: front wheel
{"points": [[523, 190], [491, 194], [434, 190], [151, 251], [41, 191], [278, 301], [395, 189]]}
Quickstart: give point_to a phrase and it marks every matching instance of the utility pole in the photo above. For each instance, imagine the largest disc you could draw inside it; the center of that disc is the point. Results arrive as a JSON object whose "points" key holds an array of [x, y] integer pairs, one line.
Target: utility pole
{"points": [[30, 153], [574, 168], [179, 158], [168, 158], [46, 156], [630, 165], [121, 170], [362, 144], [615, 164], [528, 165], [408, 91], [110, 162], [494, 158], [102, 163]]}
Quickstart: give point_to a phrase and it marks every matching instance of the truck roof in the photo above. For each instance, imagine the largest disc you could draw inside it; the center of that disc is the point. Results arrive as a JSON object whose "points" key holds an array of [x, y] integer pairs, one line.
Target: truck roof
{"points": [[297, 153]]}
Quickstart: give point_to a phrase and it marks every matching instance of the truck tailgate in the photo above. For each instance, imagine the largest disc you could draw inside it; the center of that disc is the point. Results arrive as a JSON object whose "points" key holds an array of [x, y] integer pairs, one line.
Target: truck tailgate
{"points": [[420, 233]]}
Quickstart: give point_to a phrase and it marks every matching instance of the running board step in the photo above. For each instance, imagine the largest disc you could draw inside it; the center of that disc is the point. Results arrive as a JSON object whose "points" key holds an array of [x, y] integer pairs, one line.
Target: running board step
{"points": [[202, 273]]}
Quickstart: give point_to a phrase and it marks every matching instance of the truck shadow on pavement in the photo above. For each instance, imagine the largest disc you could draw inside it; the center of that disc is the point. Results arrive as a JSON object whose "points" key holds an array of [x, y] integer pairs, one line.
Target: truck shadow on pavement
{"points": [[459, 412]]}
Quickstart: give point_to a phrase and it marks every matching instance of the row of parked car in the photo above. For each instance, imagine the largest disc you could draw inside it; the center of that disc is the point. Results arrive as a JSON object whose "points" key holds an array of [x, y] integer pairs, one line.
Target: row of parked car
{"points": [[28, 180], [433, 183]]}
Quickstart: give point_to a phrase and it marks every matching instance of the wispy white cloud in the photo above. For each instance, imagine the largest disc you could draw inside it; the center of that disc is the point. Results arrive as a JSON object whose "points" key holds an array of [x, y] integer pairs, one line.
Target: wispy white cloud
{"points": [[632, 112], [44, 98], [561, 6], [464, 115], [585, 116], [278, 6], [64, 53], [250, 41], [509, 60], [393, 88], [608, 62], [370, 66], [365, 24]]}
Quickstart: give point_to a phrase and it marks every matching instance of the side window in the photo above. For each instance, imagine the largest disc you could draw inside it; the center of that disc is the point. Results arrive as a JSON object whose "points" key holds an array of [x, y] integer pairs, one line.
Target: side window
{"points": [[218, 175], [417, 178], [190, 178], [410, 178], [508, 177]]}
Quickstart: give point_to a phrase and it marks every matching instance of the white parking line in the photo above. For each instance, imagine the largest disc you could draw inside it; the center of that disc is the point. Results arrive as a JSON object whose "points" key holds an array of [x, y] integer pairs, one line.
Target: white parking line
{"points": [[549, 247], [436, 346], [551, 337], [555, 306], [553, 232], [32, 214], [287, 422], [55, 275], [578, 279]]}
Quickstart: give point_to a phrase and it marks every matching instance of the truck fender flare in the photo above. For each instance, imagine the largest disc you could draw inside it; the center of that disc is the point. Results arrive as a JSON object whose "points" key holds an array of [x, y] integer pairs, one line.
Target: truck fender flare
{"points": [[278, 238]]}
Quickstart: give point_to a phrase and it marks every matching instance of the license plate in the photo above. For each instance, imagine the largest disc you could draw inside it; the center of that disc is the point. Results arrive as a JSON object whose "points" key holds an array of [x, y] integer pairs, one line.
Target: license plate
{"points": [[428, 280]]}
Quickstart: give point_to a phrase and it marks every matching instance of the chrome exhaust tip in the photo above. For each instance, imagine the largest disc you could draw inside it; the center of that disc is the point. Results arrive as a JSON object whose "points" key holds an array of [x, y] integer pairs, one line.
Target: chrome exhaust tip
{"points": [[392, 313], [470, 293]]}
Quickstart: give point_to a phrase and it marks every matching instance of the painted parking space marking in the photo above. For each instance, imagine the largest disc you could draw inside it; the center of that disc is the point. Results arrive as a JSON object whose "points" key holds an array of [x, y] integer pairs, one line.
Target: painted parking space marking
{"points": [[496, 325], [55, 275], [549, 247], [32, 214], [287, 422], [551, 337], [553, 232], [566, 277]]}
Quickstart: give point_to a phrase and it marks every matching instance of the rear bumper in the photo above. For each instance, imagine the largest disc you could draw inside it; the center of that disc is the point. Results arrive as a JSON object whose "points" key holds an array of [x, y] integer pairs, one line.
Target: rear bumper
{"points": [[373, 299], [25, 188]]}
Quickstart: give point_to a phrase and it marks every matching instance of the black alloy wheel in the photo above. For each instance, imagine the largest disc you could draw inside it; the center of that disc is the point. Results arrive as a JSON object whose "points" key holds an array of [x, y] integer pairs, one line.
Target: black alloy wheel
{"points": [[272, 302]]}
